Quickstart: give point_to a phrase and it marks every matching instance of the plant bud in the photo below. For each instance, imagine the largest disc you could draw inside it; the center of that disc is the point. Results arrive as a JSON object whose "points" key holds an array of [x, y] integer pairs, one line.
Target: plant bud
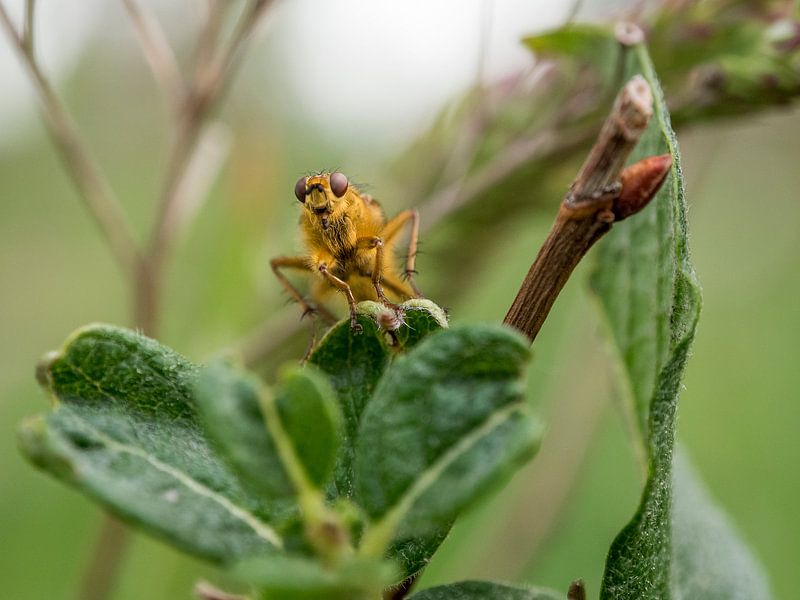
{"points": [[640, 183]]}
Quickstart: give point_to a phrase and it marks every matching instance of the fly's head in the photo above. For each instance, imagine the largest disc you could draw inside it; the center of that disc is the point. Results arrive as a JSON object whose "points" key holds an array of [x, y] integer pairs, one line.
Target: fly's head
{"points": [[326, 196]]}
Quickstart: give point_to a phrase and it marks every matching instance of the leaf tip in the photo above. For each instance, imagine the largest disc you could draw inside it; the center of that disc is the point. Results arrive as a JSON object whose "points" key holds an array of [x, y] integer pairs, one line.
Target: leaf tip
{"points": [[43, 372], [30, 433], [34, 444], [437, 312]]}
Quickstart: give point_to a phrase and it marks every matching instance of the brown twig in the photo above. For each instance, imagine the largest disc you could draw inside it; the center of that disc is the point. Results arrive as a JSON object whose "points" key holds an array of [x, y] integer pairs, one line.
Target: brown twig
{"points": [[594, 202], [87, 176], [158, 53]]}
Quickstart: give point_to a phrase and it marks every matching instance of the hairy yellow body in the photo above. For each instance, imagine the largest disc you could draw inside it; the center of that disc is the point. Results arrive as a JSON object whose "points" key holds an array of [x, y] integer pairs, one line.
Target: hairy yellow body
{"points": [[349, 245]]}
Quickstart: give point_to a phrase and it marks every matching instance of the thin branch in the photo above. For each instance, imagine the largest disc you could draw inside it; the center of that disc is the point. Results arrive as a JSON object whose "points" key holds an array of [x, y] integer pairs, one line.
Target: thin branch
{"points": [[201, 174], [574, 10], [27, 26], [107, 553], [553, 139], [204, 94], [209, 34], [94, 189], [461, 193], [158, 53], [595, 200]]}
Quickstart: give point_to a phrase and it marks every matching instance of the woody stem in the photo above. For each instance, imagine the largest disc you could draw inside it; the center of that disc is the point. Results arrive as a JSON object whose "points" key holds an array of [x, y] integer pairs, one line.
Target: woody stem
{"points": [[588, 210]]}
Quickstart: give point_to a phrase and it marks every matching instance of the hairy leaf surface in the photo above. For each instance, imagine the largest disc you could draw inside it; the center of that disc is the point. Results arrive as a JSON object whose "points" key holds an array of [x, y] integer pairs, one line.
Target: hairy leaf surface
{"points": [[651, 299], [231, 403], [709, 559], [228, 400], [310, 416], [355, 364], [125, 431], [485, 590], [447, 420]]}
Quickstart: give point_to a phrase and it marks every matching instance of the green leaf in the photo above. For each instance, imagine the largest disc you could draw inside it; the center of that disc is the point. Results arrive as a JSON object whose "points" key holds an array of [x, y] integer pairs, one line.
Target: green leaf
{"points": [[575, 40], [231, 404], [355, 363], [422, 317], [228, 400], [294, 578], [652, 301], [447, 421], [709, 559], [650, 296], [125, 432], [484, 590], [582, 43], [310, 416]]}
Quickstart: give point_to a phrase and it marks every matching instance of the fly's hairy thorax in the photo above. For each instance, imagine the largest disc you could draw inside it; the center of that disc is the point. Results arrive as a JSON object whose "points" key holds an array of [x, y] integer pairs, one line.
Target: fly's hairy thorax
{"points": [[337, 242]]}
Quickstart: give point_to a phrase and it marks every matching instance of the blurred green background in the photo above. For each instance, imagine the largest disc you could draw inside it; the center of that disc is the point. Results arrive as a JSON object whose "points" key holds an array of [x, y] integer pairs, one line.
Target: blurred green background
{"points": [[554, 522]]}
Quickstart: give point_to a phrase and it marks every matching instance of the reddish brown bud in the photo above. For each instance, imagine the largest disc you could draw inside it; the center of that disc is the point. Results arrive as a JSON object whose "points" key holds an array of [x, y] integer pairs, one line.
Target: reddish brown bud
{"points": [[640, 182], [577, 591]]}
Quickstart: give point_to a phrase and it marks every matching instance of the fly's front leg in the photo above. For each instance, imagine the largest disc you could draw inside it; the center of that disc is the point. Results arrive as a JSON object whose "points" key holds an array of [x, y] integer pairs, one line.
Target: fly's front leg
{"points": [[392, 228], [300, 263], [376, 243], [345, 289]]}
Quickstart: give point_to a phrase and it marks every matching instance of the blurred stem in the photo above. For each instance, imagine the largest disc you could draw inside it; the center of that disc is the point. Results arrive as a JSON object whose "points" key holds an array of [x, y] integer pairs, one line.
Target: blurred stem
{"points": [[95, 191], [158, 53], [106, 559], [207, 40], [27, 27], [211, 81], [194, 161]]}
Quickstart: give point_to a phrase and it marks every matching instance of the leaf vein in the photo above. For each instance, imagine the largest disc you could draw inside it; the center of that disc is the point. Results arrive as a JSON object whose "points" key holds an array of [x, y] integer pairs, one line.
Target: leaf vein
{"points": [[261, 529]]}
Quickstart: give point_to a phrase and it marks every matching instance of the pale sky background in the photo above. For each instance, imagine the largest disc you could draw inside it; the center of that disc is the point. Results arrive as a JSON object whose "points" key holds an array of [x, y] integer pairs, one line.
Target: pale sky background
{"points": [[409, 56]]}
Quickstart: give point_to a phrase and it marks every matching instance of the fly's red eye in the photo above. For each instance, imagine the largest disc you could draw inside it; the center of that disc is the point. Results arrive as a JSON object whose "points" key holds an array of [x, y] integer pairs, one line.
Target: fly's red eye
{"points": [[300, 189], [339, 184]]}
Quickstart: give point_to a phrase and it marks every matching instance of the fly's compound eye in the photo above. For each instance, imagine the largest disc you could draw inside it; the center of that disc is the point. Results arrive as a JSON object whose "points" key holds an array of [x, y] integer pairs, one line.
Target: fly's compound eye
{"points": [[338, 183], [300, 189]]}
